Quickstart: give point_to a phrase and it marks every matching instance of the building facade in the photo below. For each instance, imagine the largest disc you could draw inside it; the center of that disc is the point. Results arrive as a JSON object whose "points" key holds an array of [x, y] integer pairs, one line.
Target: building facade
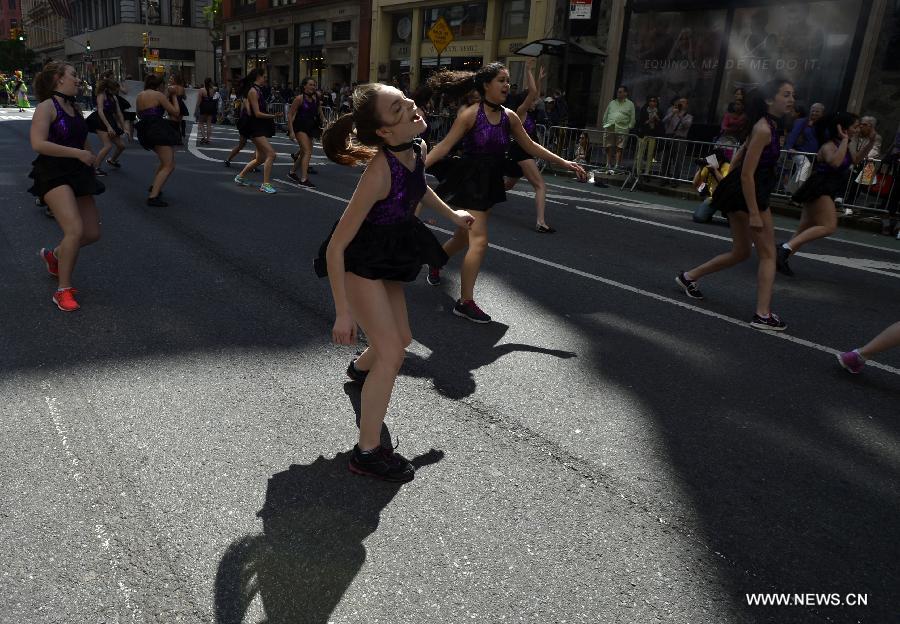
{"points": [[835, 52], [10, 16], [327, 40], [483, 31], [179, 37], [46, 29]]}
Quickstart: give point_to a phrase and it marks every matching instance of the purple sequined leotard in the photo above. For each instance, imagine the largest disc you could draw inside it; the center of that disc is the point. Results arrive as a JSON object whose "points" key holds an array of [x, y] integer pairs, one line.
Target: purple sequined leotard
{"points": [[486, 138], [771, 152], [407, 189], [66, 129], [153, 111], [823, 167]]}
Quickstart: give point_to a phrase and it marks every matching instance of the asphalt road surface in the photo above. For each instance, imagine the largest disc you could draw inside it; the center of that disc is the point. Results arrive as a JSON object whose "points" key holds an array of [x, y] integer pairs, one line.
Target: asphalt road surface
{"points": [[605, 451]]}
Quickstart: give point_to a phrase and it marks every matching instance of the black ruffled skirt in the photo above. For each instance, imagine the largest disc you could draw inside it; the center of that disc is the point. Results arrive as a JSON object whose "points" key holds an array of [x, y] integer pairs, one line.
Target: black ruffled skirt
{"points": [[94, 123], [472, 182], [830, 183], [387, 252], [729, 196], [48, 172], [309, 126], [208, 107], [153, 131], [252, 127]]}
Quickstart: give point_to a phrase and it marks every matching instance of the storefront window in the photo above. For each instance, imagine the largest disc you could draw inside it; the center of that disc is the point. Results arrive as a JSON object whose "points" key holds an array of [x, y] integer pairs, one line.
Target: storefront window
{"points": [[181, 12], [319, 33], [465, 20], [401, 29], [305, 35], [515, 18], [250, 37]]}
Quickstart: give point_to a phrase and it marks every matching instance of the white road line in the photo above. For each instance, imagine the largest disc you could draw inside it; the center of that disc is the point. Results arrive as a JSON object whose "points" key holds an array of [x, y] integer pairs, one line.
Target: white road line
{"points": [[643, 293], [869, 266], [530, 195], [638, 203], [112, 555]]}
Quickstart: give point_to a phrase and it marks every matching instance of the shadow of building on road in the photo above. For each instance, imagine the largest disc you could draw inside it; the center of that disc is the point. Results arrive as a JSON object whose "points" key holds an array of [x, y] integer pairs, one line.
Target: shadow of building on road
{"points": [[315, 519]]}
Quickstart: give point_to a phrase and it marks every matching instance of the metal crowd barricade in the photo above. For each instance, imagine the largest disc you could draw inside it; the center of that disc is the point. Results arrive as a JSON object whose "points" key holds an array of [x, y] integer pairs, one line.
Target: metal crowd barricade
{"points": [[587, 146], [871, 187], [279, 109]]}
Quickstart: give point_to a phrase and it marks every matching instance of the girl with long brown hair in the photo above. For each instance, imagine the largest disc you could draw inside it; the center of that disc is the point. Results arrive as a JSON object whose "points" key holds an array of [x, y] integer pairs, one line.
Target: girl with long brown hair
{"points": [[475, 181], [304, 119], [378, 244], [63, 174]]}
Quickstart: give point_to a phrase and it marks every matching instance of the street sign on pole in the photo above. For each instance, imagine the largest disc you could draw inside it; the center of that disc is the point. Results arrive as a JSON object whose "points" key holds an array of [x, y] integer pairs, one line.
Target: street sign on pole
{"points": [[441, 35]]}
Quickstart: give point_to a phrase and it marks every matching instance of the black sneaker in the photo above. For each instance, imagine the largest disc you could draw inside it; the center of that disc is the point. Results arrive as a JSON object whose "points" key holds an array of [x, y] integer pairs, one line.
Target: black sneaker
{"points": [[100, 173], [355, 374], [781, 261], [434, 276], [307, 183], [227, 163], [383, 463], [769, 323], [150, 190], [114, 163], [689, 286], [293, 176], [470, 310], [156, 201]]}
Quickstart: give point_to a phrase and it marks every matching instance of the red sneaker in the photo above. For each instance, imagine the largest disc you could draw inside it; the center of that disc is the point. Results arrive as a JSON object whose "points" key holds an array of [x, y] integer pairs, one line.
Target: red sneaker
{"points": [[65, 300], [50, 260]]}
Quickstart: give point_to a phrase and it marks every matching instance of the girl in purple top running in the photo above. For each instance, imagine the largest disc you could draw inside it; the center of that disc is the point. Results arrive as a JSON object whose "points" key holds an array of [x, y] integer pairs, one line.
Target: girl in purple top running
{"points": [[377, 244], [829, 179], [63, 174], [475, 181], [743, 195]]}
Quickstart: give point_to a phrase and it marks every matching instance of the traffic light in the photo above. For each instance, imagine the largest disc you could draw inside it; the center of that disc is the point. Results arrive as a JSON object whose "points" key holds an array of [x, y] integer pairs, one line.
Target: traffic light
{"points": [[13, 34], [22, 35], [146, 53], [87, 45], [145, 39]]}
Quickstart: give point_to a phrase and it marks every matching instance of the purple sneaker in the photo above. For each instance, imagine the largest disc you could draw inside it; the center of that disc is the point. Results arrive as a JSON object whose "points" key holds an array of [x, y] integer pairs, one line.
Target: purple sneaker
{"points": [[852, 362]]}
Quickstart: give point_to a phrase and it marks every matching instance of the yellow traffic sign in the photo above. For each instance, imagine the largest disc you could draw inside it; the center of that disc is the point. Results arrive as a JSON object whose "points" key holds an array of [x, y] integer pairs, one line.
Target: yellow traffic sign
{"points": [[440, 34]]}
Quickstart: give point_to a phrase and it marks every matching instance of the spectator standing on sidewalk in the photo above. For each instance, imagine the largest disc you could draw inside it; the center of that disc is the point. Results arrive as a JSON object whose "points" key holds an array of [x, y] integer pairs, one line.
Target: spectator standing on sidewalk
{"points": [[618, 120], [866, 132], [734, 126], [677, 123], [803, 134], [649, 127]]}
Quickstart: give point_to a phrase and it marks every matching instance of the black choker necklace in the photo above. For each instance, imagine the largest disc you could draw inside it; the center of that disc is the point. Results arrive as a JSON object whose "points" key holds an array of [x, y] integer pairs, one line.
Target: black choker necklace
{"points": [[493, 106], [414, 144], [68, 98]]}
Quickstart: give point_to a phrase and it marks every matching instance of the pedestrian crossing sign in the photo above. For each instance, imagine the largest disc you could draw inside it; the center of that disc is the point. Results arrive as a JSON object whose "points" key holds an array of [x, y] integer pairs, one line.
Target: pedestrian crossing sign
{"points": [[440, 34]]}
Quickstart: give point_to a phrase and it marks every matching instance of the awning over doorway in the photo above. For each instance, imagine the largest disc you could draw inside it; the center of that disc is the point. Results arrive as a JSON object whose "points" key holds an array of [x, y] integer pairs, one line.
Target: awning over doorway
{"points": [[555, 47]]}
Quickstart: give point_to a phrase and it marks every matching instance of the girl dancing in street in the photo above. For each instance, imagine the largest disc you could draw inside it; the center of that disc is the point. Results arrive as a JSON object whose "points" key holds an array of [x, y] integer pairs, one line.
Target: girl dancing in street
{"points": [[256, 126], [829, 180], [107, 123], [207, 108], [744, 196], [519, 163], [63, 175], [157, 134], [304, 119], [378, 244], [474, 182]]}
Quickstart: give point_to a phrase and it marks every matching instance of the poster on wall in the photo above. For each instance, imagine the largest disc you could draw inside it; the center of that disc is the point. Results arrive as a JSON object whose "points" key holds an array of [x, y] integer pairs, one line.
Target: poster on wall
{"points": [[672, 54], [807, 43]]}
